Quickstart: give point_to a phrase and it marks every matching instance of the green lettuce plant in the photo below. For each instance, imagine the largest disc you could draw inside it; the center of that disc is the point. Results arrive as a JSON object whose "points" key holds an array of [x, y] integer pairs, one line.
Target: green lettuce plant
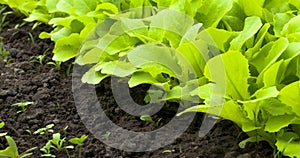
{"points": [[234, 59], [259, 88], [71, 20]]}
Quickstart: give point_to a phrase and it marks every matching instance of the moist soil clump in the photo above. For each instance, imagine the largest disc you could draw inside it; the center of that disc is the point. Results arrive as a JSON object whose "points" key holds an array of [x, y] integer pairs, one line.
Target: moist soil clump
{"points": [[23, 79]]}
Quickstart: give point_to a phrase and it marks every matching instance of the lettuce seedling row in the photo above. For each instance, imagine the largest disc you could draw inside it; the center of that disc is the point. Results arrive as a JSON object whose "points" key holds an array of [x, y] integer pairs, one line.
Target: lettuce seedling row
{"points": [[235, 60]]}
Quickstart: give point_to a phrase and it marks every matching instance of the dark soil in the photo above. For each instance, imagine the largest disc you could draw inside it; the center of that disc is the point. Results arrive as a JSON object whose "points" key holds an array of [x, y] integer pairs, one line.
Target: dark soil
{"points": [[51, 91]]}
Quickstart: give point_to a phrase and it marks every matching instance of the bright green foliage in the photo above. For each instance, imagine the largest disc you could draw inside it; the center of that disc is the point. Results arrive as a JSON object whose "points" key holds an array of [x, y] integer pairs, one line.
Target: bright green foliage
{"points": [[79, 141], [45, 130], [47, 150], [236, 59], [236, 72], [2, 124], [22, 105], [289, 143], [262, 76], [289, 95], [146, 118], [56, 143], [12, 150], [72, 20]]}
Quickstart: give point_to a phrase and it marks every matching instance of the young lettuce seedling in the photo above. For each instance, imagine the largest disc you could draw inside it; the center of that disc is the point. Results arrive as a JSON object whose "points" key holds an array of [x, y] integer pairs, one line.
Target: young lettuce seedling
{"points": [[79, 142], [45, 130], [12, 150], [47, 150], [22, 105], [57, 64], [57, 143]]}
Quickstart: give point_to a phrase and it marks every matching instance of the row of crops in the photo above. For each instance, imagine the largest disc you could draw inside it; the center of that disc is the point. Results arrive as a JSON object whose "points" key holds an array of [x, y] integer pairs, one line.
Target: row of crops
{"points": [[236, 59]]}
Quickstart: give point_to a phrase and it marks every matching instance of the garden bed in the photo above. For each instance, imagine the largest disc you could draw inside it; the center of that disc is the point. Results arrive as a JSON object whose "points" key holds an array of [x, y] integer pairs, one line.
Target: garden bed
{"points": [[51, 91]]}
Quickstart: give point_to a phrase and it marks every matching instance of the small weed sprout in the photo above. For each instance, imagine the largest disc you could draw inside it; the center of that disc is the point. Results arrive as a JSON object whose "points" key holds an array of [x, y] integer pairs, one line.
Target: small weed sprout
{"points": [[148, 118], [40, 58], [45, 130], [64, 130], [20, 25], [36, 24], [106, 136], [4, 54], [68, 72], [28, 131], [31, 38], [57, 64], [158, 122], [79, 142], [180, 149], [2, 124], [3, 16], [168, 151], [22, 105]]}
